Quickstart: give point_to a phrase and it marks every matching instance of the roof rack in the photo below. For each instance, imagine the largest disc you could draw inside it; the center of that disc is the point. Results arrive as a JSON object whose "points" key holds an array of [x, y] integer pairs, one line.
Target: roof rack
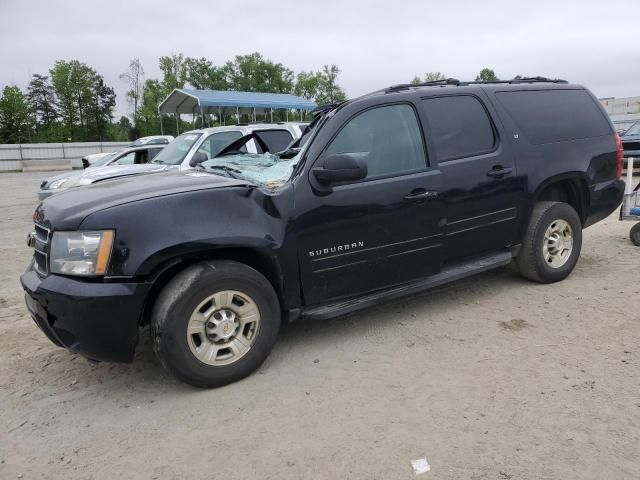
{"points": [[456, 82], [518, 80], [405, 86]]}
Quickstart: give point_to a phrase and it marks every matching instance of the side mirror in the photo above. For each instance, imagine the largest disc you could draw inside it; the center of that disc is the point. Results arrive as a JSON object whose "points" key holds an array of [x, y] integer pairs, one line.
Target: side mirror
{"points": [[197, 158], [341, 167]]}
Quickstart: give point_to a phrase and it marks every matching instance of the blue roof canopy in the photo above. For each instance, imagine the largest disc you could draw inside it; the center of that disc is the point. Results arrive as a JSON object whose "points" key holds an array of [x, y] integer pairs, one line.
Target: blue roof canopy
{"points": [[186, 100]]}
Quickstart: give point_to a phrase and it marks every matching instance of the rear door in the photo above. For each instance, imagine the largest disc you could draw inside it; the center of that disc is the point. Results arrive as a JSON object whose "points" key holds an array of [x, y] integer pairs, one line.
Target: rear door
{"points": [[481, 191]]}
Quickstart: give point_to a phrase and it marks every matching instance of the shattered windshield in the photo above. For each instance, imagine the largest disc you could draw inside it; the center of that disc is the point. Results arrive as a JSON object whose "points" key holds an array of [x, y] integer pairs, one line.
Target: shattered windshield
{"points": [[264, 169], [174, 153]]}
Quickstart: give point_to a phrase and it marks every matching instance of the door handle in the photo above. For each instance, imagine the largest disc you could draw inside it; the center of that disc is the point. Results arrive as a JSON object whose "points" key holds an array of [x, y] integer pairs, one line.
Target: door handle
{"points": [[420, 194], [499, 171]]}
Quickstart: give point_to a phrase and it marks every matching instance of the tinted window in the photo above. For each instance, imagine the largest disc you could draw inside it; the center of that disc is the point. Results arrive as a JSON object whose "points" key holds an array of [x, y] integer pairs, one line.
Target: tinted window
{"points": [[388, 138], [275, 140], [546, 116], [459, 127], [153, 152]]}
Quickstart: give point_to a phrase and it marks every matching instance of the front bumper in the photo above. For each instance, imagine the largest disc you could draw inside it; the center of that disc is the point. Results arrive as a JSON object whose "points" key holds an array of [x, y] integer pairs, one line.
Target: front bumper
{"points": [[97, 320]]}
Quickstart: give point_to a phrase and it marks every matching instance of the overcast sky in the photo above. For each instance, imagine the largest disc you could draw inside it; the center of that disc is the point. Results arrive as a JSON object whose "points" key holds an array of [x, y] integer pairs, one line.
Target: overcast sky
{"points": [[375, 43]]}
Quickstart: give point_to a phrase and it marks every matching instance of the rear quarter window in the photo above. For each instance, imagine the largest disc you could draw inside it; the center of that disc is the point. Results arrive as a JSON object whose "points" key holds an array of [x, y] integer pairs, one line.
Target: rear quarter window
{"points": [[548, 116]]}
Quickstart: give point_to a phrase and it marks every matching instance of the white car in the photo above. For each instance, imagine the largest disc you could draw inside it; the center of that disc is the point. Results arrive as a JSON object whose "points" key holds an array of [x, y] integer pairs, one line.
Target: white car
{"points": [[179, 154], [90, 160]]}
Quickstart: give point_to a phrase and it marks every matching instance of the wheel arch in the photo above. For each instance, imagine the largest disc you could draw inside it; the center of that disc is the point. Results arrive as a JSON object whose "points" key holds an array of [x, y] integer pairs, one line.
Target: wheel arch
{"points": [[267, 265], [571, 188]]}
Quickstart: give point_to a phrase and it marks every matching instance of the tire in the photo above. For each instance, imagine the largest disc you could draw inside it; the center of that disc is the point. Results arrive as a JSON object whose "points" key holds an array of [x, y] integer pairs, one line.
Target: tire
{"points": [[634, 234], [228, 294], [537, 263]]}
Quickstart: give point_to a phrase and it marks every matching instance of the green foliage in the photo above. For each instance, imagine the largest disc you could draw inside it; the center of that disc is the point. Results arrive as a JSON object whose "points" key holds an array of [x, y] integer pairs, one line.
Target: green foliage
{"points": [[73, 103], [320, 86], [15, 116], [174, 71], [428, 77], [204, 75], [42, 102], [486, 75]]}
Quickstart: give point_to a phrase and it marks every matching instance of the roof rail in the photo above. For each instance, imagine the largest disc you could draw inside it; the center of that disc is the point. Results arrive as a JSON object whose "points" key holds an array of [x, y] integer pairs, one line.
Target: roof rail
{"points": [[405, 86], [518, 80], [456, 82]]}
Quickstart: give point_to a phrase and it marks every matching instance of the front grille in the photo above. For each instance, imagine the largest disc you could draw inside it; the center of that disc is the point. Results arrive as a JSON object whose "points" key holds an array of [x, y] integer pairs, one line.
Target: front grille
{"points": [[41, 243], [631, 146]]}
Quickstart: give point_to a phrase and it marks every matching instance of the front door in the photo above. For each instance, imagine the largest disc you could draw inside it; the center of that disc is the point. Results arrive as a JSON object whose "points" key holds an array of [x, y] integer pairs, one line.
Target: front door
{"points": [[482, 192], [381, 231]]}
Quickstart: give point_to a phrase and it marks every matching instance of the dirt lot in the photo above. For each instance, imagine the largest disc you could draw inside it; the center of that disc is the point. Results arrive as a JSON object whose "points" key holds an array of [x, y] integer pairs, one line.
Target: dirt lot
{"points": [[490, 378]]}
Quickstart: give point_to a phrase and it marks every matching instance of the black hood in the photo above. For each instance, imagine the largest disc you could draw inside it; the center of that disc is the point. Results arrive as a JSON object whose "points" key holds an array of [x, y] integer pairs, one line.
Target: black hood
{"points": [[66, 210]]}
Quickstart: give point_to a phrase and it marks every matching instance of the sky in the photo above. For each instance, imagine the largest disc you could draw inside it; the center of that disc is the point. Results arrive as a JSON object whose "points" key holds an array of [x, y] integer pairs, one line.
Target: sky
{"points": [[375, 43]]}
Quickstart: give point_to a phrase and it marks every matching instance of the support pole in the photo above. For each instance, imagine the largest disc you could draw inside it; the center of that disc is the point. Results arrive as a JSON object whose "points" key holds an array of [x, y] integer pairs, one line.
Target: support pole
{"points": [[177, 123], [161, 126]]}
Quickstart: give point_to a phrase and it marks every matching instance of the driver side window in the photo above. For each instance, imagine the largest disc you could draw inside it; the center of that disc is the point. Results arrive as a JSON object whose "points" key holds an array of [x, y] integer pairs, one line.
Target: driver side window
{"points": [[388, 138]]}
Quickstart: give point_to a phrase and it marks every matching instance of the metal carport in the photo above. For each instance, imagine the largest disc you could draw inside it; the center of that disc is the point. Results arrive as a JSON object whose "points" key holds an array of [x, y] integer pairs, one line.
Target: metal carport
{"points": [[229, 102]]}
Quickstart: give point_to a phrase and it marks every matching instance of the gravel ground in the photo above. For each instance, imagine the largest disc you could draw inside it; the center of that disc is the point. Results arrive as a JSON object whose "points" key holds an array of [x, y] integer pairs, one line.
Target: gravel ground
{"points": [[492, 377]]}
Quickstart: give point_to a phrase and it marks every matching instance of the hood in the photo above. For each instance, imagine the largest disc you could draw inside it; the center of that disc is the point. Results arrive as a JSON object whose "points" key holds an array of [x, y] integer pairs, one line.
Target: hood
{"points": [[66, 210], [61, 176], [96, 174]]}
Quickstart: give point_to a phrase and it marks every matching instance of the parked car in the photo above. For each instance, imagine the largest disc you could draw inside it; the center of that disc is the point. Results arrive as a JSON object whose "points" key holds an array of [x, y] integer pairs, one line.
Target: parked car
{"points": [[177, 155], [393, 193], [110, 166], [89, 160], [622, 126], [631, 142]]}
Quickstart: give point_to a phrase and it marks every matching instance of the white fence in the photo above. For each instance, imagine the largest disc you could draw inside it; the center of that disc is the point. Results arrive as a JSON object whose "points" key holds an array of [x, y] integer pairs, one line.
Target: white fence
{"points": [[14, 156]]}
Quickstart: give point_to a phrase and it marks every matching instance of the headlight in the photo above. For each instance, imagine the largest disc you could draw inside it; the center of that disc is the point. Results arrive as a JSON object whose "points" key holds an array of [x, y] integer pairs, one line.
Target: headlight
{"points": [[81, 253], [56, 184]]}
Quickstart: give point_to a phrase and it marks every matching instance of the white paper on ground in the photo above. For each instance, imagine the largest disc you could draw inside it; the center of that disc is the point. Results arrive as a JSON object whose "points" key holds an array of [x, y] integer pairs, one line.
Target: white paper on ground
{"points": [[420, 466]]}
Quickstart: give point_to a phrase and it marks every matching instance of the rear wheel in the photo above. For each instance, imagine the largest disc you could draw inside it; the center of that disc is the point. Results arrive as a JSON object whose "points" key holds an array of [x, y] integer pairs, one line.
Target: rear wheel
{"points": [[634, 234], [215, 323], [552, 244]]}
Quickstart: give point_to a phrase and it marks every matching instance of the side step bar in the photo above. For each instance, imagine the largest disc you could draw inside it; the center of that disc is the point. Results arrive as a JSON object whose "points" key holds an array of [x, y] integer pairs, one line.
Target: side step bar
{"points": [[450, 274]]}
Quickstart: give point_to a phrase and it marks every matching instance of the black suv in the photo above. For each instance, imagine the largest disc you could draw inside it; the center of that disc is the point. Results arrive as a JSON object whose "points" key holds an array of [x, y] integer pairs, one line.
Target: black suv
{"points": [[392, 193]]}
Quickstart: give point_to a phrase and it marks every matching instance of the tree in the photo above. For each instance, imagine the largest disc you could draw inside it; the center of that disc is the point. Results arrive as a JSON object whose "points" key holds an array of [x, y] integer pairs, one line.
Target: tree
{"points": [[74, 84], [204, 75], [174, 71], [134, 78], [486, 75], [42, 101], [330, 91], [15, 118], [105, 101], [253, 73], [307, 85], [148, 119], [428, 77]]}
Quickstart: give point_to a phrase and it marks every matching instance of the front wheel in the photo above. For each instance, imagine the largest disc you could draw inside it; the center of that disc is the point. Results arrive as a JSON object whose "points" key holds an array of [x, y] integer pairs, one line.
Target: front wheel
{"points": [[552, 244], [215, 323]]}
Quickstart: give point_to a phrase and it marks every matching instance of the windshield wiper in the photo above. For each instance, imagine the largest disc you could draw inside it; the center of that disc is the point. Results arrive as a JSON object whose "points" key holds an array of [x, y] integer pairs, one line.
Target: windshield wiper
{"points": [[231, 172]]}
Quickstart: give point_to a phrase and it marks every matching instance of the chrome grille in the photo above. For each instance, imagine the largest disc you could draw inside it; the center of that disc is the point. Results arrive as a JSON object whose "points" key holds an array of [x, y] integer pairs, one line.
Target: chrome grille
{"points": [[40, 242]]}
